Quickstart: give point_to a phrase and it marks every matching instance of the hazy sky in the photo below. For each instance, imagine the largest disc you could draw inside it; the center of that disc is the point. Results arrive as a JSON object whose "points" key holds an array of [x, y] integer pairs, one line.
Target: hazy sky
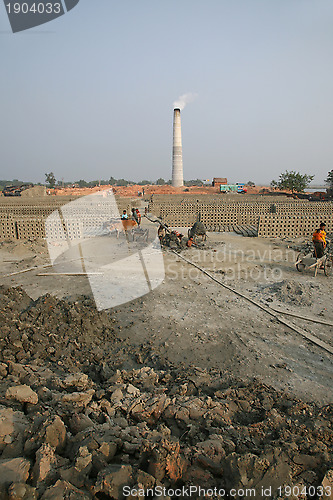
{"points": [[90, 95]]}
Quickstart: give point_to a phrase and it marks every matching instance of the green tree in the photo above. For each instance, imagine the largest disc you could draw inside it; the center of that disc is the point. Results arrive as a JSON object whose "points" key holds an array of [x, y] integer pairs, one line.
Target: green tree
{"points": [[50, 179], [329, 179], [122, 182], [82, 183], [194, 182], [160, 182], [293, 181], [145, 182], [250, 183]]}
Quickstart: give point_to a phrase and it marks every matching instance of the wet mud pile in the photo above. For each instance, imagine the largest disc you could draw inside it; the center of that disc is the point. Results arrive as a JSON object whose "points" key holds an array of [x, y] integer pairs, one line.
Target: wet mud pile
{"points": [[84, 415]]}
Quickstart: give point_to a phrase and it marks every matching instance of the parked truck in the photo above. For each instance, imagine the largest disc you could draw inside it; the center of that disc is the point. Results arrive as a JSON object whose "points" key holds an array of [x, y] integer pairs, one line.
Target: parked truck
{"points": [[239, 187]]}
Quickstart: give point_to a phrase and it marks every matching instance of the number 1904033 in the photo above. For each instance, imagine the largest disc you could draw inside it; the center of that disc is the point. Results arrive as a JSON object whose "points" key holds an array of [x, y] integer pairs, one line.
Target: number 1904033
{"points": [[35, 8], [305, 491]]}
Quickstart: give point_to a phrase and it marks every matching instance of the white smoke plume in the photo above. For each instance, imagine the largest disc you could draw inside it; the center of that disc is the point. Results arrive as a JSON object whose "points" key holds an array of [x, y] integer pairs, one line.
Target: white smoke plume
{"points": [[185, 99]]}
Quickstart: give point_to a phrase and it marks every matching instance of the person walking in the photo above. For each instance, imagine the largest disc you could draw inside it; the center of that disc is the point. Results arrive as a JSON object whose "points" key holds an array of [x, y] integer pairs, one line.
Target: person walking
{"points": [[319, 241], [134, 215], [138, 216]]}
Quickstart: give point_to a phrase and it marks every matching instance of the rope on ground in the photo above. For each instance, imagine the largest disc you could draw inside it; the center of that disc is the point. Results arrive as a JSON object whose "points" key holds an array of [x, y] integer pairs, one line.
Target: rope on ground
{"points": [[271, 312], [306, 318]]}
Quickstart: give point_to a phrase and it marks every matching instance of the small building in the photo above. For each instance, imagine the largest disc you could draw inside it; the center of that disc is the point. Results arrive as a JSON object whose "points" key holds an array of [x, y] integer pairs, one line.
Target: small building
{"points": [[217, 181]]}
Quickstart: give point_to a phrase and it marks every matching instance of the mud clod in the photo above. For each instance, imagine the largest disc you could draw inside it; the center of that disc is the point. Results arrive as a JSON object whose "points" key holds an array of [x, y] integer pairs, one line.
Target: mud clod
{"points": [[80, 426]]}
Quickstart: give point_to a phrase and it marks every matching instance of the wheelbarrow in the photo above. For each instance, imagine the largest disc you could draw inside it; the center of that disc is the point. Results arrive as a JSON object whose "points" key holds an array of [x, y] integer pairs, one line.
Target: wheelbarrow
{"points": [[306, 260]]}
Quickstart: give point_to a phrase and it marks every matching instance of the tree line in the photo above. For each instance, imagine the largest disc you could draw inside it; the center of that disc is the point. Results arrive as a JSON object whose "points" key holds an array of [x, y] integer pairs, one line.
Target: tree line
{"points": [[52, 182], [289, 180]]}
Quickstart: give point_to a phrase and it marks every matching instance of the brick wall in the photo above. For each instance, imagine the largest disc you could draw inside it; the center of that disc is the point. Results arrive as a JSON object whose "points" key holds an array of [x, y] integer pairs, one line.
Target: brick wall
{"points": [[291, 217], [25, 218], [277, 226]]}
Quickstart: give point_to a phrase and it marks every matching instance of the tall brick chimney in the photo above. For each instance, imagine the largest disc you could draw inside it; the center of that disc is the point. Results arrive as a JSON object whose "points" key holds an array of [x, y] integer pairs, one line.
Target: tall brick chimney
{"points": [[177, 153]]}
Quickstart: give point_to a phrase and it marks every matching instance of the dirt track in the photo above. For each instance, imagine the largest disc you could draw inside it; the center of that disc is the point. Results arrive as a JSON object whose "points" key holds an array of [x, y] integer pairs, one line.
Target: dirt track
{"points": [[192, 320]]}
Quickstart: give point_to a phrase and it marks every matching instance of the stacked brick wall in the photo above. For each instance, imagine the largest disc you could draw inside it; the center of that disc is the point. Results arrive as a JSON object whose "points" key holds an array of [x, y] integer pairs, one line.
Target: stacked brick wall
{"points": [[25, 219], [290, 218], [277, 226], [235, 213], [30, 228], [7, 229], [55, 230]]}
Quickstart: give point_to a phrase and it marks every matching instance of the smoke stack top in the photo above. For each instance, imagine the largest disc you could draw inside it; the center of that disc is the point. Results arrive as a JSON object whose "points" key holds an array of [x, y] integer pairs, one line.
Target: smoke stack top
{"points": [[184, 99]]}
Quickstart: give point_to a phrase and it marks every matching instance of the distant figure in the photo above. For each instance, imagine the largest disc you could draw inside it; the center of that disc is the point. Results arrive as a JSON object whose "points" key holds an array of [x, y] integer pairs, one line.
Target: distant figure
{"points": [[143, 191], [124, 215], [319, 241], [161, 233], [134, 215], [138, 215]]}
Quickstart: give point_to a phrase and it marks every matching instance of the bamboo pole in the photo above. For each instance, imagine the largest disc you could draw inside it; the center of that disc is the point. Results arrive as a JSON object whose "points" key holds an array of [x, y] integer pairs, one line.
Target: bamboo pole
{"points": [[295, 328], [314, 320]]}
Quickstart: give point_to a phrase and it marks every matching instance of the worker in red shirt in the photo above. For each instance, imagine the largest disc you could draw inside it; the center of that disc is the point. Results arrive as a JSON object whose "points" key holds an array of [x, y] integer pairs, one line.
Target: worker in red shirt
{"points": [[319, 241], [138, 216]]}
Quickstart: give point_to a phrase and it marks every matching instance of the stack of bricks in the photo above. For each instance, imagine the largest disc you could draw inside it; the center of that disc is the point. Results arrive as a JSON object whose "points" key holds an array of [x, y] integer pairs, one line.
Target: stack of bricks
{"points": [[273, 217], [7, 228], [25, 218], [55, 230], [28, 228], [279, 226]]}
